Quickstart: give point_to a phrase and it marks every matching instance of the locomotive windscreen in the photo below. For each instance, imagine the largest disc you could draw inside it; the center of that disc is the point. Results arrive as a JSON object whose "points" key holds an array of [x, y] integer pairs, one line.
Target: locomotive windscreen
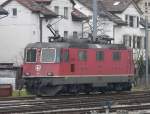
{"points": [[48, 55], [30, 55]]}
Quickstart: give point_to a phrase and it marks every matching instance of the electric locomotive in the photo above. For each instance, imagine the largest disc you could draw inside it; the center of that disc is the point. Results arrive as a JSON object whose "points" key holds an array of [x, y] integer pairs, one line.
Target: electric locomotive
{"points": [[77, 67]]}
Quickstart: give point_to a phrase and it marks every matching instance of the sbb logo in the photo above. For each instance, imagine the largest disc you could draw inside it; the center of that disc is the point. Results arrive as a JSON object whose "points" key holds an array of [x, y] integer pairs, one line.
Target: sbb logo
{"points": [[38, 68]]}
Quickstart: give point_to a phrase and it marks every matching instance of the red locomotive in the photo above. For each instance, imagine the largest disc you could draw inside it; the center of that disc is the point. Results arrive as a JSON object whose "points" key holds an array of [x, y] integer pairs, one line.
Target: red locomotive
{"points": [[66, 67]]}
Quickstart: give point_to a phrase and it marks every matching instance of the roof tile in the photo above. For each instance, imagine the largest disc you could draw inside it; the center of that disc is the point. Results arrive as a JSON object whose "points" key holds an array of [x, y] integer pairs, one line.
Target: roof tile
{"points": [[102, 10], [34, 7], [77, 15]]}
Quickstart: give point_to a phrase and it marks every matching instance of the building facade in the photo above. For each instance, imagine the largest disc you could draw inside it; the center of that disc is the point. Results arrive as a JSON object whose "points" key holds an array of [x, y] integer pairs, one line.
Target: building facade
{"points": [[120, 22], [22, 26]]}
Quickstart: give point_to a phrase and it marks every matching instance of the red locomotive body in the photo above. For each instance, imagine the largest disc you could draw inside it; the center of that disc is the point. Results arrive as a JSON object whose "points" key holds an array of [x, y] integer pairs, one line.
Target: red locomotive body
{"points": [[56, 67]]}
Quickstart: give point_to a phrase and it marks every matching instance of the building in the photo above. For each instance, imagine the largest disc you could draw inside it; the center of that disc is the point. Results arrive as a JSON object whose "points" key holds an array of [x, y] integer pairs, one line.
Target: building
{"points": [[28, 19], [27, 22], [122, 21]]}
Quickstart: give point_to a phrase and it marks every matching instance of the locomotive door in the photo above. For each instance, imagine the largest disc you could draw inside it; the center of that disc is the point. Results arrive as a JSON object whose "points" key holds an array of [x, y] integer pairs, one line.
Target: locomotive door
{"points": [[65, 61], [73, 60], [130, 64]]}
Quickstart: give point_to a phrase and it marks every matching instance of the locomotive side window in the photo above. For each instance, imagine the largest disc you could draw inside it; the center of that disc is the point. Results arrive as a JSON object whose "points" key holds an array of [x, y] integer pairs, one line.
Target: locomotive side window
{"points": [[82, 55], [48, 55], [116, 56], [66, 56], [31, 55], [99, 55]]}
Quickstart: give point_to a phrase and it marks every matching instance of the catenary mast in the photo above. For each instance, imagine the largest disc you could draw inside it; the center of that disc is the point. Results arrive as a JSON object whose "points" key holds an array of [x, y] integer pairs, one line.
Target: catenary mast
{"points": [[94, 20]]}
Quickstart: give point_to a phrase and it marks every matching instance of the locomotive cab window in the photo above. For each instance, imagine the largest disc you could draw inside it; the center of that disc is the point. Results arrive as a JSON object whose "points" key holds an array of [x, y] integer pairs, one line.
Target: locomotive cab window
{"points": [[82, 55], [116, 56], [66, 56], [48, 55], [99, 55], [31, 55]]}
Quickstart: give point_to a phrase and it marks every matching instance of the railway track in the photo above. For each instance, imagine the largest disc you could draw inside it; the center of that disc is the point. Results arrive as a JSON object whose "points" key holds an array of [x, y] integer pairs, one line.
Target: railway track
{"points": [[76, 104]]}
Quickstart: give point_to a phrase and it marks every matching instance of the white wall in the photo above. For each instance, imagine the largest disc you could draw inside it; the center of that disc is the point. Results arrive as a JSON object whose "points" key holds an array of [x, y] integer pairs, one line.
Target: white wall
{"points": [[120, 31], [64, 24], [17, 32]]}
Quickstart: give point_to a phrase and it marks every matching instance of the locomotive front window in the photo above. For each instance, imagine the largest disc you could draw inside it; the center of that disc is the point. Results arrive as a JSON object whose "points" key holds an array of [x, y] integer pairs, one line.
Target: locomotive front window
{"points": [[31, 55], [48, 55], [82, 55]]}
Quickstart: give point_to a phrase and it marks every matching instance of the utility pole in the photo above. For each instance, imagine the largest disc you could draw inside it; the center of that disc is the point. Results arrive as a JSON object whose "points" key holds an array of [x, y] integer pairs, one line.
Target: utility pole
{"points": [[94, 20], [146, 49]]}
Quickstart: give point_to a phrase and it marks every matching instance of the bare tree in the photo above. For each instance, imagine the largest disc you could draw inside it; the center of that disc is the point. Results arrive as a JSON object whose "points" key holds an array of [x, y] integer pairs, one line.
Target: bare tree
{"points": [[88, 27]]}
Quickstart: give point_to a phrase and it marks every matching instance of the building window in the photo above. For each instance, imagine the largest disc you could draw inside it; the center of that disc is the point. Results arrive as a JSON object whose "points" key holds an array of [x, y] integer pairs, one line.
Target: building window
{"points": [[14, 11], [65, 34], [148, 3], [126, 18], [82, 55], [146, 11], [99, 55], [127, 40], [66, 12], [56, 9], [132, 21], [139, 39], [75, 35], [116, 56], [145, 3], [134, 41]]}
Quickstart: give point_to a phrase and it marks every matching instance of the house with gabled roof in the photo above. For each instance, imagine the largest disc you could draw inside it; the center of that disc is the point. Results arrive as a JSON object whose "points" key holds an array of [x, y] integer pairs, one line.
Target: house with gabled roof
{"points": [[132, 35], [69, 22], [121, 19], [27, 23], [106, 20]]}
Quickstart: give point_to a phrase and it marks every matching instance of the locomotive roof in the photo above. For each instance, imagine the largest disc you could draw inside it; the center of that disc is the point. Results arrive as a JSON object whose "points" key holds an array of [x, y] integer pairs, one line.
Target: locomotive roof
{"points": [[73, 45]]}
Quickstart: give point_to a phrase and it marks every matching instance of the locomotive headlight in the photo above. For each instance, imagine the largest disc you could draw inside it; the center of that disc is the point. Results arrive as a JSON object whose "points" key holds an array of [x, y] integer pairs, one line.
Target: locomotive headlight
{"points": [[27, 74], [50, 74]]}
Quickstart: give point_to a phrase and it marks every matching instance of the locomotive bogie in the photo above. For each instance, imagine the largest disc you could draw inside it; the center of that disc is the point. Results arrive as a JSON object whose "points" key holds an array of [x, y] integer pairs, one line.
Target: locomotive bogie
{"points": [[53, 86]]}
